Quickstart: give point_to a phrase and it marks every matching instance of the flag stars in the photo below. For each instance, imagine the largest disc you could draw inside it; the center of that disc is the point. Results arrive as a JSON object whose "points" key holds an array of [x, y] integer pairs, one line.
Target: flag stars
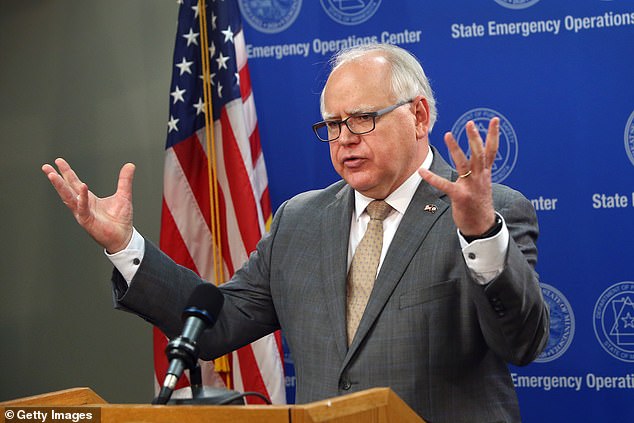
{"points": [[211, 77], [221, 72], [172, 124], [228, 34], [222, 61], [185, 66], [177, 94], [191, 37], [200, 106]]}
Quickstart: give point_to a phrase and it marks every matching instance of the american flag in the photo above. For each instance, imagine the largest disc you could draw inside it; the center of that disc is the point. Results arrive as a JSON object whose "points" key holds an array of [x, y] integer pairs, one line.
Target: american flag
{"points": [[244, 209]]}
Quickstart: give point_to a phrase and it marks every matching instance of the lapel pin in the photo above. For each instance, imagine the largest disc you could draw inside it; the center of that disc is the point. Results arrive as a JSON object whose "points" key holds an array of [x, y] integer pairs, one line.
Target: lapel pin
{"points": [[431, 208]]}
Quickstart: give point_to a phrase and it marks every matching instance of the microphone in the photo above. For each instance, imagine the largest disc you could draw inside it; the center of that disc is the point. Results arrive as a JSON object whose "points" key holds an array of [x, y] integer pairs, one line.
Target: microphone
{"points": [[202, 309]]}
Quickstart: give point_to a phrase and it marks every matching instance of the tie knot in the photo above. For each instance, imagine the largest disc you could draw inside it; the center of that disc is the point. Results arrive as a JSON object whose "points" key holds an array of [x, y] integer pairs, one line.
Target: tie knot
{"points": [[378, 209]]}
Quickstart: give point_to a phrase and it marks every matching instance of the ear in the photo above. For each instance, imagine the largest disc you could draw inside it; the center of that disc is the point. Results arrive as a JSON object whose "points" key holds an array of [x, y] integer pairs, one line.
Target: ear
{"points": [[421, 113]]}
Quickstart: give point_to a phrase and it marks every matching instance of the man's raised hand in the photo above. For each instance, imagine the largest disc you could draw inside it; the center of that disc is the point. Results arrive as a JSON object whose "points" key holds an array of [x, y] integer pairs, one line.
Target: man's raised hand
{"points": [[471, 194], [107, 220]]}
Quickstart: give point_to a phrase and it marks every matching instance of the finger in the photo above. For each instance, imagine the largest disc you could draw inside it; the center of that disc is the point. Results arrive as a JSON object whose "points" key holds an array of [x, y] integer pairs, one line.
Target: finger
{"points": [[47, 168], [476, 146], [492, 142], [82, 209], [126, 177], [66, 194], [436, 181], [68, 174], [457, 155]]}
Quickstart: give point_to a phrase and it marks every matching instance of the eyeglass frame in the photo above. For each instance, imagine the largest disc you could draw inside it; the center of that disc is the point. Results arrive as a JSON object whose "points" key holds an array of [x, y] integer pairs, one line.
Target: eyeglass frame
{"points": [[373, 115]]}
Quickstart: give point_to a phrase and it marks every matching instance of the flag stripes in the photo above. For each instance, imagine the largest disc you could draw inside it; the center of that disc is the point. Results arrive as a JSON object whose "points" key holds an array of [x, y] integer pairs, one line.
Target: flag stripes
{"points": [[241, 185]]}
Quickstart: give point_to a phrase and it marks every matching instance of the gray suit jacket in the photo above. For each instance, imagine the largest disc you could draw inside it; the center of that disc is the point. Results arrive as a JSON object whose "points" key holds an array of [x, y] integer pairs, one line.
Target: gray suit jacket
{"points": [[429, 332]]}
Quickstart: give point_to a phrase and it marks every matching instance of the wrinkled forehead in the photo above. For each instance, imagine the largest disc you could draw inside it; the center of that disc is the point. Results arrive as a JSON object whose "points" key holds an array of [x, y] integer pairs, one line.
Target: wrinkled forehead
{"points": [[358, 85]]}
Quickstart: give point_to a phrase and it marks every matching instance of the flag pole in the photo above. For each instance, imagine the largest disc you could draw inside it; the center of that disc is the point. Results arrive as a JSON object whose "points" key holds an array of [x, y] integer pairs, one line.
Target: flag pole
{"points": [[221, 364]]}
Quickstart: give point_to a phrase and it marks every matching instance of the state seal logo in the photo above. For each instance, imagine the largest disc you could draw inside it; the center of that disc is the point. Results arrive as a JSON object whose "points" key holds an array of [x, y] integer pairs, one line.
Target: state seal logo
{"points": [[507, 152], [516, 4], [629, 138], [613, 319], [562, 324], [270, 16], [350, 12]]}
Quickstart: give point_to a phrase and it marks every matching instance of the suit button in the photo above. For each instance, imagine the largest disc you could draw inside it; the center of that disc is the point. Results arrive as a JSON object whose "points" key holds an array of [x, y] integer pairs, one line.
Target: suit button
{"points": [[345, 385]]}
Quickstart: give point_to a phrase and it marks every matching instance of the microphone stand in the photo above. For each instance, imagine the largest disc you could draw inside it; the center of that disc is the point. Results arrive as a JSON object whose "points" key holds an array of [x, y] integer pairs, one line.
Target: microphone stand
{"points": [[207, 395], [186, 352], [182, 353]]}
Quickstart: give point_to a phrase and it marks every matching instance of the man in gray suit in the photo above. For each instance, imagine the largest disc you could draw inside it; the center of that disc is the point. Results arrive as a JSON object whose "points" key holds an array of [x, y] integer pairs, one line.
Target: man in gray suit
{"points": [[455, 297]]}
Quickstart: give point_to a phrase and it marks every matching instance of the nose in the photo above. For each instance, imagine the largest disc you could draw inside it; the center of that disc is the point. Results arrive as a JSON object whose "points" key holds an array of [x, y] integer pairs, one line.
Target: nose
{"points": [[346, 137]]}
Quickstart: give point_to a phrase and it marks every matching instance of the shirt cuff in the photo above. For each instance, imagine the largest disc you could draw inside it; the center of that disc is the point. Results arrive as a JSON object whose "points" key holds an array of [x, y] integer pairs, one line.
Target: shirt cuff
{"points": [[127, 261], [485, 257]]}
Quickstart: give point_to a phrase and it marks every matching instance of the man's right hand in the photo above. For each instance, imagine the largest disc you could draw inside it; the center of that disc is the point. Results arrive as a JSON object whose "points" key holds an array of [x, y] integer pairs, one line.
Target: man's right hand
{"points": [[107, 220]]}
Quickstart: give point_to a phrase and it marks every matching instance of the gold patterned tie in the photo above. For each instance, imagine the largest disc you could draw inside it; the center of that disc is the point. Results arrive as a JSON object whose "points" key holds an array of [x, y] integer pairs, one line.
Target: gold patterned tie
{"points": [[364, 264]]}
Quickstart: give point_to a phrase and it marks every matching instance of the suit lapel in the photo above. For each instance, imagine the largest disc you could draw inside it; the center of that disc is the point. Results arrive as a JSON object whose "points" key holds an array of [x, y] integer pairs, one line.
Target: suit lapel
{"points": [[414, 227], [335, 232]]}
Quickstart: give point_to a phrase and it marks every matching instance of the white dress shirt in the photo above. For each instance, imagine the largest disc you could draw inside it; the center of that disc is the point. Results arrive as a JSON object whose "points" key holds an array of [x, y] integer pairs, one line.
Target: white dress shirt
{"points": [[484, 257]]}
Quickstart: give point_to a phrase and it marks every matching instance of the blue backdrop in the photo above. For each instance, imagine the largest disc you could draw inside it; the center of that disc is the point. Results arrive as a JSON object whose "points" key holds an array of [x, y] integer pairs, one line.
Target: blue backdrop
{"points": [[559, 74]]}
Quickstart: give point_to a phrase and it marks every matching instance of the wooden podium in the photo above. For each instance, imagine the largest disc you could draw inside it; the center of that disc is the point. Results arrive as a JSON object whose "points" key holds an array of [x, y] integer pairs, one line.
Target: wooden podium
{"points": [[378, 405]]}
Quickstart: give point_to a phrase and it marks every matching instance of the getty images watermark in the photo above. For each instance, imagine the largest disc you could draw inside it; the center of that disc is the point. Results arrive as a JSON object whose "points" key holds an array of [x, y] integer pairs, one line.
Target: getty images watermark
{"points": [[52, 414]]}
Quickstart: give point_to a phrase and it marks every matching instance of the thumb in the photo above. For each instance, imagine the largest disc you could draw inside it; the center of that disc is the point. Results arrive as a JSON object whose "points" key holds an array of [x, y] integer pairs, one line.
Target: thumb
{"points": [[436, 181], [126, 177]]}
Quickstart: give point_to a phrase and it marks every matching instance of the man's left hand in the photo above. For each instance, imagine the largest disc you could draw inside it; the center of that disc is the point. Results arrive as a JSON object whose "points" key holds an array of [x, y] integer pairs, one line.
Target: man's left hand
{"points": [[471, 194]]}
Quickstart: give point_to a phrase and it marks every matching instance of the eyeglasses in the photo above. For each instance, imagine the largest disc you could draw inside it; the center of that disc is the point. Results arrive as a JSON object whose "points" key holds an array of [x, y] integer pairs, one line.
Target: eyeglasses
{"points": [[359, 124]]}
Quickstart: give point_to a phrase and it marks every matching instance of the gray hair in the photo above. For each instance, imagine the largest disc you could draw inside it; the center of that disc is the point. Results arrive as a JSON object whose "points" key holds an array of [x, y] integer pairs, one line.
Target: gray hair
{"points": [[408, 77]]}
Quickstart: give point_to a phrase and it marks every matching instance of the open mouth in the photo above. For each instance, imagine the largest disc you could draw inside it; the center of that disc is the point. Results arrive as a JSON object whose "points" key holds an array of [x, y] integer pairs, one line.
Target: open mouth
{"points": [[353, 161]]}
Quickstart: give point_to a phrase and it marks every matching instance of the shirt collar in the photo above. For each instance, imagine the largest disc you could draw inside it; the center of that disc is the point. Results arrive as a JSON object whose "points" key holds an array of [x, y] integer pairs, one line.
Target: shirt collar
{"points": [[400, 198]]}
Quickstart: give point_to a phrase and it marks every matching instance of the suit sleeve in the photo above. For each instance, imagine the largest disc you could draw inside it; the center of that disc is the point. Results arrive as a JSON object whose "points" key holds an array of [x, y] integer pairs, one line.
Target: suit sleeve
{"points": [[161, 288], [512, 313]]}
